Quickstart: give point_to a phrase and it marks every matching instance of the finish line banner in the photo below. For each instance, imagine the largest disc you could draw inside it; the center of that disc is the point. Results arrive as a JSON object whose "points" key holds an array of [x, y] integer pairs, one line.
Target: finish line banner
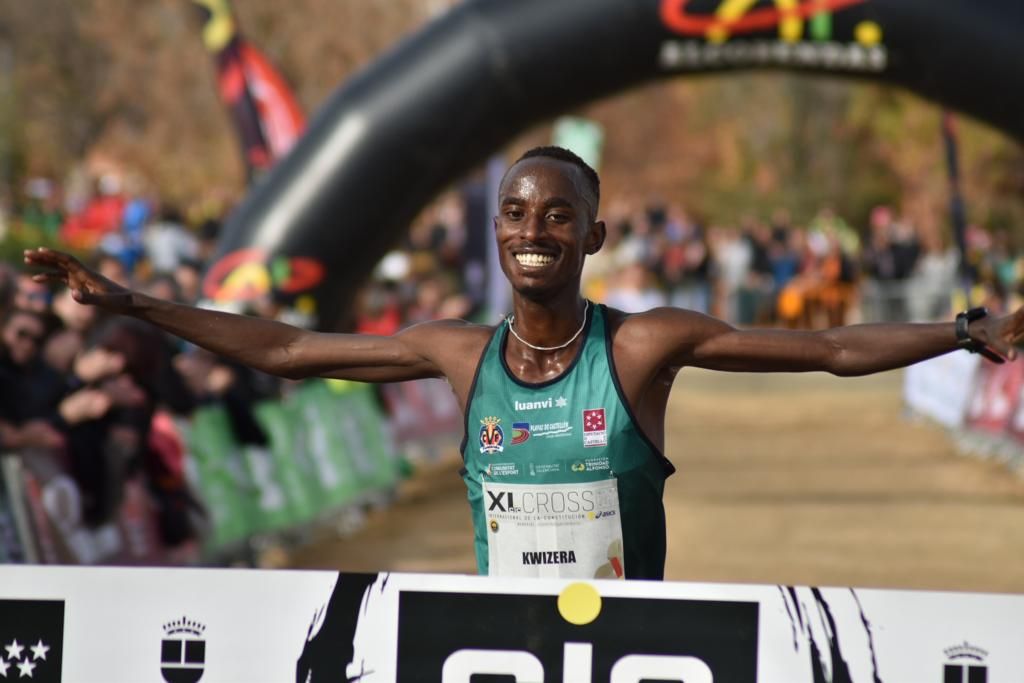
{"points": [[85, 625]]}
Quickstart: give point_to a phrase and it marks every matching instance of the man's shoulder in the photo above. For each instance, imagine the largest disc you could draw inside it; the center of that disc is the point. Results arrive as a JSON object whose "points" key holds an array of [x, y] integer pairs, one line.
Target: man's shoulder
{"points": [[659, 335], [452, 328], [452, 334], [650, 322]]}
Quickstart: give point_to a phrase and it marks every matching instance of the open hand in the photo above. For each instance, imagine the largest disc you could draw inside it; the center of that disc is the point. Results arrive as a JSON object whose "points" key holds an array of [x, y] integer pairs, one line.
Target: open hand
{"points": [[87, 287]]}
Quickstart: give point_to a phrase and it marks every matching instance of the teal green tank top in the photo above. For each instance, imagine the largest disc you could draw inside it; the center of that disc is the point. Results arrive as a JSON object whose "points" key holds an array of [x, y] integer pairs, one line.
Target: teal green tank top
{"points": [[561, 480]]}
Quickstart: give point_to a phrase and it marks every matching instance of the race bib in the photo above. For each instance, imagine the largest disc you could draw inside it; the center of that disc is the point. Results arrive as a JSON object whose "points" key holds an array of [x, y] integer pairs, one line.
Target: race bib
{"points": [[554, 530]]}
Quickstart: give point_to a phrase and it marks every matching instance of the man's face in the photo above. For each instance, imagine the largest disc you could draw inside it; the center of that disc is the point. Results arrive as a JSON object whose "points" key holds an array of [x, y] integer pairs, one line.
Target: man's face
{"points": [[23, 336], [544, 226]]}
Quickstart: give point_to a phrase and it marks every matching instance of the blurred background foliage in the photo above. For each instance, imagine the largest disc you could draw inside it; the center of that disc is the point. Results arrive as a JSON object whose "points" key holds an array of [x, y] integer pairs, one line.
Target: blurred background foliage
{"points": [[128, 84]]}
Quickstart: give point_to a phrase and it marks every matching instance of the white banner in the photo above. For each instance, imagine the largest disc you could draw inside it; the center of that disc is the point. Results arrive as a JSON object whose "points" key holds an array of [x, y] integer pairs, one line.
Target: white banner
{"points": [[224, 626], [941, 387]]}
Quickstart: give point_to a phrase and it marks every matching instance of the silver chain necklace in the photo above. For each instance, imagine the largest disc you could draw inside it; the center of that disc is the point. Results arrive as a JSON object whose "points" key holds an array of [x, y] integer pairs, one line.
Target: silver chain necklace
{"points": [[512, 318]]}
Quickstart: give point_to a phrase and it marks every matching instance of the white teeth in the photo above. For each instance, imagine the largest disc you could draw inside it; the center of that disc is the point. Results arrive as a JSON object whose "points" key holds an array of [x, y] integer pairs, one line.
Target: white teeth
{"points": [[534, 260]]}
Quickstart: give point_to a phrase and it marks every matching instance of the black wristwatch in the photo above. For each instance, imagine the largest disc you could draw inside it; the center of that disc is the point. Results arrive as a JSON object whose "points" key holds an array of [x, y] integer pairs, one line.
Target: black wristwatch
{"points": [[963, 337]]}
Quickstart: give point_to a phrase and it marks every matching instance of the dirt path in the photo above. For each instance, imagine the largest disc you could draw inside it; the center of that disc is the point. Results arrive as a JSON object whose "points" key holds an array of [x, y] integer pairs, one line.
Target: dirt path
{"points": [[803, 479]]}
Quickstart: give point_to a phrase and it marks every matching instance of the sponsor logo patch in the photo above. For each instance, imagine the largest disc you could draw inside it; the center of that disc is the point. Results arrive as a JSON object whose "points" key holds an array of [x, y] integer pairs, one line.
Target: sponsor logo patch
{"points": [[549, 402], [551, 430], [520, 432], [491, 437], [595, 429], [596, 464], [503, 469]]}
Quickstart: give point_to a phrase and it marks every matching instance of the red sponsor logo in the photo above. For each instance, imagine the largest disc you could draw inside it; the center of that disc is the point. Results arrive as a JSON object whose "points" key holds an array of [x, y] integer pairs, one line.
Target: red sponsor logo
{"points": [[249, 274], [595, 429], [593, 420]]}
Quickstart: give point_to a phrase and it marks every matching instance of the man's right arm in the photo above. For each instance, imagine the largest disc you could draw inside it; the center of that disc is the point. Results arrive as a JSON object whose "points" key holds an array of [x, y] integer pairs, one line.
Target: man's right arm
{"points": [[267, 345], [286, 351]]}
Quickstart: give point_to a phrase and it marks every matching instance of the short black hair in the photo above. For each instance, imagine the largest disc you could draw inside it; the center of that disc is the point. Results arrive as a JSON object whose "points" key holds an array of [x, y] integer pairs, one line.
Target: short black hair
{"points": [[48, 320], [563, 154]]}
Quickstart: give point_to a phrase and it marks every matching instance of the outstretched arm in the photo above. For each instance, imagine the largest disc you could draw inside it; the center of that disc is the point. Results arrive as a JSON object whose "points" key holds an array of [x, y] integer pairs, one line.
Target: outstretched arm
{"points": [[689, 338], [266, 345]]}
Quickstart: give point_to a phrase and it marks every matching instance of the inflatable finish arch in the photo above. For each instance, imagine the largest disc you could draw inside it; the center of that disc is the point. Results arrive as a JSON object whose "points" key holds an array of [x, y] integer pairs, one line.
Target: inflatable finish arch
{"points": [[440, 102]]}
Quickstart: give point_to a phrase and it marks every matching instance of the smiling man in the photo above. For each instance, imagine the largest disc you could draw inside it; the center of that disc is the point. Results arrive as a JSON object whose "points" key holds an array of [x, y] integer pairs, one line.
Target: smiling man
{"points": [[565, 399]]}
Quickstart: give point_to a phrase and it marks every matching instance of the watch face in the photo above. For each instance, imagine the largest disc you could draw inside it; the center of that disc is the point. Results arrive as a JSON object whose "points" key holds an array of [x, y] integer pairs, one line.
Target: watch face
{"points": [[976, 313]]}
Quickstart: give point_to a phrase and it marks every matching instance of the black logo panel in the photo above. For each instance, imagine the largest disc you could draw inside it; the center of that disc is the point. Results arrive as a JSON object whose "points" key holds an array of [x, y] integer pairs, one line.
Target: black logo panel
{"points": [[31, 640], [637, 639]]}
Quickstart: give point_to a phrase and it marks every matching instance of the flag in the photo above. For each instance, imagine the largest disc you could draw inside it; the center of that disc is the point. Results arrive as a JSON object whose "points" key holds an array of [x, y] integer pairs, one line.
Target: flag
{"points": [[265, 113]]}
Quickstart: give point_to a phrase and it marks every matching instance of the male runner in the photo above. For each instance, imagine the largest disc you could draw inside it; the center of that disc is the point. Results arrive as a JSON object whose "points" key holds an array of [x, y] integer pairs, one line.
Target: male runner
{"points": [[564, 400]]}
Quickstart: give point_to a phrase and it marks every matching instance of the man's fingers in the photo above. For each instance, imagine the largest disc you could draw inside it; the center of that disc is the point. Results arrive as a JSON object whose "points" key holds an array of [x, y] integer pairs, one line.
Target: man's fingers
{"points": [[48, 257], [50, 278], [44, 260]]}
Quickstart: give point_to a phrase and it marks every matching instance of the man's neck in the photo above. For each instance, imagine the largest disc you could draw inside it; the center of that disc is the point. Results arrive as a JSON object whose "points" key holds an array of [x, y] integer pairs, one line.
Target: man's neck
{"points": [[549, 322]]}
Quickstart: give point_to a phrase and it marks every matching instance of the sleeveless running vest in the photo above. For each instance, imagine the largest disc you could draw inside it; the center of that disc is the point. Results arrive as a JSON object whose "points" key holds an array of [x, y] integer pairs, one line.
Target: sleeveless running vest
{"points": [[562, 482]]}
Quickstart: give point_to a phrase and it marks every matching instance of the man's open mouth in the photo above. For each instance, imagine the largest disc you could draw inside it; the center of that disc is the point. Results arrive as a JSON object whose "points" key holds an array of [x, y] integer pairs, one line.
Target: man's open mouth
{"points": [[534, 260]]}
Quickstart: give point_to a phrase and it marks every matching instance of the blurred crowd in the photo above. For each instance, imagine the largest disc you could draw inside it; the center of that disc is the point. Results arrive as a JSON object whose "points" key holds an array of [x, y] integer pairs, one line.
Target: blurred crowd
{"points": [[106, 393], [775, 272], [765, 272]]}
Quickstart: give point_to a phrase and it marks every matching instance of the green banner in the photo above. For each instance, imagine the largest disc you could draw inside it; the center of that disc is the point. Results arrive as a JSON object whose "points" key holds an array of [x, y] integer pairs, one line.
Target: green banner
{"points": [[370, 446], [222, 477], [290, 467], [328, 448]]}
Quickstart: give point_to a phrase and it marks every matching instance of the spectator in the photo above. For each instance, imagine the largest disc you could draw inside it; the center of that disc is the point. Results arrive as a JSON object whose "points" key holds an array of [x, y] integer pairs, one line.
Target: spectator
{"points": [[168, 242], [632, 289]]}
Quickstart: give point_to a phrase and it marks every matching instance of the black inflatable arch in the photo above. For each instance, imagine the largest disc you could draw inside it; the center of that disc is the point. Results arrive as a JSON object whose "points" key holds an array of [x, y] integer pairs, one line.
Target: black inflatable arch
{"points": [[440, 102]]}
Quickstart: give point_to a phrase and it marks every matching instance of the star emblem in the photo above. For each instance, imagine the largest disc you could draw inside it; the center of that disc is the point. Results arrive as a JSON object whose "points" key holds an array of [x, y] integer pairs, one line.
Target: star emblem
{"points": [[25, 669], [14, 650], [3, 667], [560, 402], [593, 420], [39, 650]]}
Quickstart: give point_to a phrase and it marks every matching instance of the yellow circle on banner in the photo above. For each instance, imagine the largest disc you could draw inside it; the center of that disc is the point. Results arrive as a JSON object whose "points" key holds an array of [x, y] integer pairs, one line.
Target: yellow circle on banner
{"points": [[868, 33], [579, 603]]}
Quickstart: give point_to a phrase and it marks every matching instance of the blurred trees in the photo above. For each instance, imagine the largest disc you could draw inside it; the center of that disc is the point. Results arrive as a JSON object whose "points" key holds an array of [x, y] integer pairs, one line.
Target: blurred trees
{"points": [[130, 82]]}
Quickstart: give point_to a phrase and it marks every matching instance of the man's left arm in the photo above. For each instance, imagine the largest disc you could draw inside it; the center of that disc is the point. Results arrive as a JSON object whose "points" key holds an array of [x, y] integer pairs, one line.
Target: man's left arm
{"points": [[689, 338]]}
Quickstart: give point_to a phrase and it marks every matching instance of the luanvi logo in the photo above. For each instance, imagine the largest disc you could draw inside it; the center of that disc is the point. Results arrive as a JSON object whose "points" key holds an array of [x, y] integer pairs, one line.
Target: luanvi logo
{"points": [[549, 402], [31, 640], [575, 636], [965, 663], [183, 651]]}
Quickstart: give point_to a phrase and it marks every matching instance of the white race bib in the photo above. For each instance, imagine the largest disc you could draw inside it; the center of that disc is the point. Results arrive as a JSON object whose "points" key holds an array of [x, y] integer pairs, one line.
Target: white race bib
{"points": [[554, 530]]}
